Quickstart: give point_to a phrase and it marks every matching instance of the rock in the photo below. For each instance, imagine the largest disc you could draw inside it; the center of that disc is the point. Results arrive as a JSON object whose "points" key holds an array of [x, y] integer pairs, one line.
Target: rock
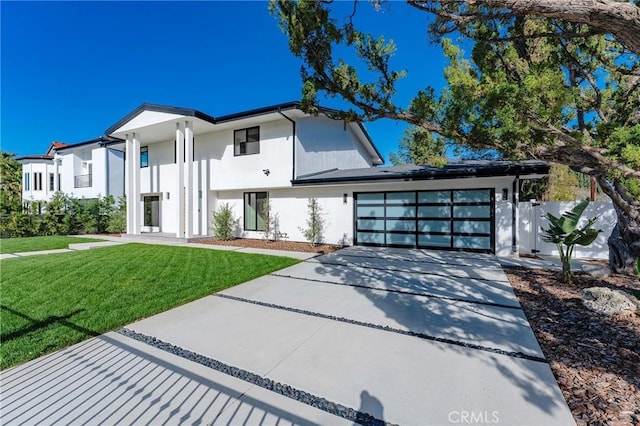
{"points": [[608, 302], [595, 270]]}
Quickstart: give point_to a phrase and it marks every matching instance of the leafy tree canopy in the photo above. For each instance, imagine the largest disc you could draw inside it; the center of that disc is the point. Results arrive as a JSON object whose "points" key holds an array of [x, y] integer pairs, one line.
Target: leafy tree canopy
{"points": [[10, 183], [557, 80]]}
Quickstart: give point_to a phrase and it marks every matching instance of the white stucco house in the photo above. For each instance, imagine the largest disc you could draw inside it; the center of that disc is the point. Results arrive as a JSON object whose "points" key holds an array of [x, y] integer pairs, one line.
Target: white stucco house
{"points": [[88, 169], [182, 164]]}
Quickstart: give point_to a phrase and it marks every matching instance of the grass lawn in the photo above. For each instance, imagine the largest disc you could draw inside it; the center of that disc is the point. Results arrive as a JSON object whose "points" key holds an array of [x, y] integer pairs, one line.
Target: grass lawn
{"points": [[17, 245], [52, 301]]}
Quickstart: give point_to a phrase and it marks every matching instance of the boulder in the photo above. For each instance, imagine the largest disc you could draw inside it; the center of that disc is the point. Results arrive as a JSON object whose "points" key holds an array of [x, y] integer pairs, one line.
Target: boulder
{"points": [[609, 302], [595, 270]]}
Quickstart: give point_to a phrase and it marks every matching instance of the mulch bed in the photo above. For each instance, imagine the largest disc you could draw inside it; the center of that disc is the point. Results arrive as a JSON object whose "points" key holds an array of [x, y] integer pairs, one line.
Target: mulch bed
{"points": [[595, 359], [273, 245]]}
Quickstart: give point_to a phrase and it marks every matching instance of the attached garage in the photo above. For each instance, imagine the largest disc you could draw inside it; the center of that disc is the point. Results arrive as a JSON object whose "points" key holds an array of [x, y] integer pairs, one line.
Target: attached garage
{"points": [[452, 219], [467, 205]]}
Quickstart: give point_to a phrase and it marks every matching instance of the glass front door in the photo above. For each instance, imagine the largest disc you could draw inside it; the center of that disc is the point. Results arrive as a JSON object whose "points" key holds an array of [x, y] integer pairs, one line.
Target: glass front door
{"points": [[151, 213]]}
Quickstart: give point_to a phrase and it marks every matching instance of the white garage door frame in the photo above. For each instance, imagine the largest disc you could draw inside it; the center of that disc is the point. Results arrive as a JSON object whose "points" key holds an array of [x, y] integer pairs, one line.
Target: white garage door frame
{"points": [[445, 219]]}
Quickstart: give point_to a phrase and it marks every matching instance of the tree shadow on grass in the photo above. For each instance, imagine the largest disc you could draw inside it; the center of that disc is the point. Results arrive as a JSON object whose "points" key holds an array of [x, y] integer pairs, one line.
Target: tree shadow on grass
{"points": [[36, 325]]}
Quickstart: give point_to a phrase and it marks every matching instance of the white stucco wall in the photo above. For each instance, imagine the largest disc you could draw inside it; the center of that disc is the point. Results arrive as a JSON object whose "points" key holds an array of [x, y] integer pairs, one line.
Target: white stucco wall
{"points": [[38, 166], [532, 221], [324, 144], [290, 205]]}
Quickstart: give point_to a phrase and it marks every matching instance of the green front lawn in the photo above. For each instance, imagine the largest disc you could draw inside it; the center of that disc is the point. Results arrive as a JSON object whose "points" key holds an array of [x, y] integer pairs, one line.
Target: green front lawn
{"points": [[52, 301], [17, 245]]}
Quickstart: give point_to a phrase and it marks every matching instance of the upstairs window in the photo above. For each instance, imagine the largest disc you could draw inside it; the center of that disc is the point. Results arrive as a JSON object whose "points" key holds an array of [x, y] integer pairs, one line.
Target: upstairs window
{"points": [[27, 182], [52, 182], [37, 181], [246, 141], [144, 156]]}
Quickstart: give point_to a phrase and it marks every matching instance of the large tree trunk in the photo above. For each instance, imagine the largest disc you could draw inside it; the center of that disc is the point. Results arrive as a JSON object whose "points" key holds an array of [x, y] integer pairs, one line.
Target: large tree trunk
{"points": [[620, 19], [624, 246]]}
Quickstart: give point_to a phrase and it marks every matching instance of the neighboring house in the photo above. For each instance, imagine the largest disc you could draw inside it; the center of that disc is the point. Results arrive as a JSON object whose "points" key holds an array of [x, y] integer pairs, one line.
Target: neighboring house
{"points": [[89, 169], [183, 164]]}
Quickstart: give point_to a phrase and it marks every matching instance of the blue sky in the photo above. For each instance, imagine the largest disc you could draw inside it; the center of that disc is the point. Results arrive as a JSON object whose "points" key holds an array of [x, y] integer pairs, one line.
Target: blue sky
{"points": [[69, 70]]}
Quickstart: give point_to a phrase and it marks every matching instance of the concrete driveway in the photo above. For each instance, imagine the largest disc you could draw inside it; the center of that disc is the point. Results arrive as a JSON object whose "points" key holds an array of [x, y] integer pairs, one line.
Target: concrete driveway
{"points": [[362, 335]]}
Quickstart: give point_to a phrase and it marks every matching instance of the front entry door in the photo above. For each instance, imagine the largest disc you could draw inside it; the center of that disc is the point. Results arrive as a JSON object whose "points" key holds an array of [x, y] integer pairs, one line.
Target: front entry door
{"points": [[151, 213]]}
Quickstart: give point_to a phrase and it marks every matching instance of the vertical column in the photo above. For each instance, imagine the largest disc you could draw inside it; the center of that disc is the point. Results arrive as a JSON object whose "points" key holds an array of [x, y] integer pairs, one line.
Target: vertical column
{"points": [[128, 182], [188, 156], [180, 184], [135, 175]]}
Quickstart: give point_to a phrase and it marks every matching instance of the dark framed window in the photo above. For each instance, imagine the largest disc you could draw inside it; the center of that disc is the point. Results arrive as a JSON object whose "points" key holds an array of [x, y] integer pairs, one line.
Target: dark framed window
{"points": [[253, 210], [52, 181], [144, 156], [59, 182], [37, 181], [184, 153], [246, 141]]}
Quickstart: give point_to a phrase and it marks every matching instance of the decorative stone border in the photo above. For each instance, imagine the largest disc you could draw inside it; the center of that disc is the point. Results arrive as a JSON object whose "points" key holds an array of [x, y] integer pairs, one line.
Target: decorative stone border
{"points": [[307, 398], [424, 336], [411, 293]]}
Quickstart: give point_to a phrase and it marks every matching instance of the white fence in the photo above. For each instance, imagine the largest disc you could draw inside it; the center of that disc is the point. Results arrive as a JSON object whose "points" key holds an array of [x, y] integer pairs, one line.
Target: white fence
{"points": [[532, 220]]}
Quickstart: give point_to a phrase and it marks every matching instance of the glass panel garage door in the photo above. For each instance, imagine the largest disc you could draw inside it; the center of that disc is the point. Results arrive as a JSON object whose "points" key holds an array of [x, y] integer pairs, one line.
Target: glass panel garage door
{"points": [[448, 219]]}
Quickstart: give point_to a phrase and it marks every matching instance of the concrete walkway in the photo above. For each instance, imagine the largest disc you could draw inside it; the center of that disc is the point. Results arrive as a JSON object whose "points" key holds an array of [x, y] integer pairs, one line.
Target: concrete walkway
{"points": [[358, 336]]}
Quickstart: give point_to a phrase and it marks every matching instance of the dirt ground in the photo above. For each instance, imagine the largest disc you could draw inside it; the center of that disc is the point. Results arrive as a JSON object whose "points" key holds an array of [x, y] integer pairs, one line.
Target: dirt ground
{"points": [[596, 359]]}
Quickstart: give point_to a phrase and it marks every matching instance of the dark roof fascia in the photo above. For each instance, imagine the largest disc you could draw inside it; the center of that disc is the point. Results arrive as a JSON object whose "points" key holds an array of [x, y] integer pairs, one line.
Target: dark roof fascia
{"points": [[483, 172], [102, 141], [159, 108], [259, 111], [35, 157]]}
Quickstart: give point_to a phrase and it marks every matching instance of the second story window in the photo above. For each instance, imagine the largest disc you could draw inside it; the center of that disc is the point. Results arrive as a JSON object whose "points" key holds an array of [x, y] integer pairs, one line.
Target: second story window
{"points": [[37, 181], [27, 182], [52, 182], [144, 156], [246, 141]]}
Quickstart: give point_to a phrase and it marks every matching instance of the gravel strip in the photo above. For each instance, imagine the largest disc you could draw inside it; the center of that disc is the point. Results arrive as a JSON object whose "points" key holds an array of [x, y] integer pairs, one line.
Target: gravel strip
{"points": [[264, 382]]}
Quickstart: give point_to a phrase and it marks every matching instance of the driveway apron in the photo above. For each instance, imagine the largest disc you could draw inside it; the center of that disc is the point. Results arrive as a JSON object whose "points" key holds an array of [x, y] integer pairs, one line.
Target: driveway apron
{"points": [[362, 335]]}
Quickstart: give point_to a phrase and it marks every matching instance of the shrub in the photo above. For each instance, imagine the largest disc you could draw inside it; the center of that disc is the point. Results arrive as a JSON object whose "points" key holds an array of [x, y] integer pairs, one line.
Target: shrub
{"points": [[315, 223], [117, 222], [223, 222]]}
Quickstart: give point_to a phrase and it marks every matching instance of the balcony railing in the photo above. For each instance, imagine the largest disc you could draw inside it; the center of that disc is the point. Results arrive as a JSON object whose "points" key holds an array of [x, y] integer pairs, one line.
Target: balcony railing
{"points": [[82, 181]]}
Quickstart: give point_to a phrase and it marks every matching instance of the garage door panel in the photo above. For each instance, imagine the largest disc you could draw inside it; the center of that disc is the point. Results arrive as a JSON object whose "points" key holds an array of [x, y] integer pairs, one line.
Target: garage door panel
{"points": [[401, 239], [370, 211], [434, 226], [456, 219], [472, 196], [472, 227], [439, 197], [478, 243], [371, 224], [401, 198], [370, 238], [401, 225], [371, 198], [434, 211], [401, 211], [434, 240], [472, 211]]}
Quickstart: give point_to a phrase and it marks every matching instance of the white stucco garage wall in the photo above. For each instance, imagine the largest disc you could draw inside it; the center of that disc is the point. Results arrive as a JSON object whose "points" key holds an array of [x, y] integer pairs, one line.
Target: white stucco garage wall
{"points": [[290, 205]]}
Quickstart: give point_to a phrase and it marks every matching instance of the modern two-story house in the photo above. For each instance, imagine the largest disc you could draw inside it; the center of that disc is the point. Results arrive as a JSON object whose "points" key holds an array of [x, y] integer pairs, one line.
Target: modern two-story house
{"points": [[88, 169], [182, 164]]}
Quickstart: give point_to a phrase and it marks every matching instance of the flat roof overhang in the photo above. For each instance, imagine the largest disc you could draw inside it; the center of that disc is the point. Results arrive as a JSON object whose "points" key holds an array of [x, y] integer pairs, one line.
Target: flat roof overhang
{"points": [[527, 170]]}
